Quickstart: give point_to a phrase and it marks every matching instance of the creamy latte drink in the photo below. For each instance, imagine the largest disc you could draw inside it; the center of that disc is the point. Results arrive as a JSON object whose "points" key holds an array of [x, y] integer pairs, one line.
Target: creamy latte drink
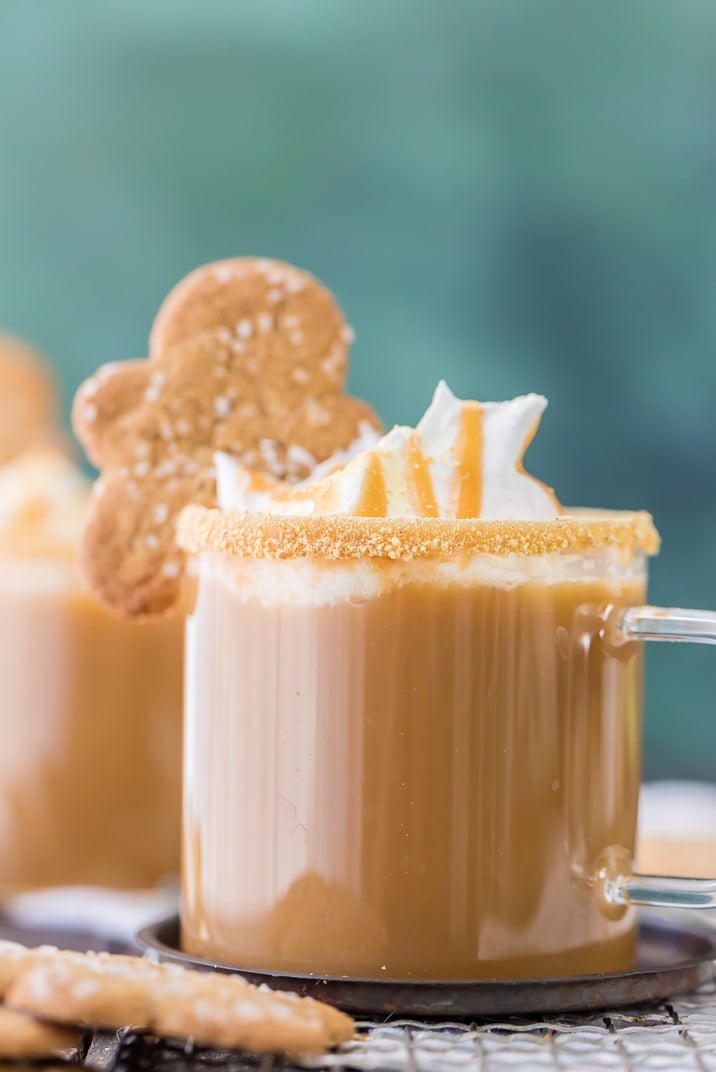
{"points": [[91, 705], [412, 741]]}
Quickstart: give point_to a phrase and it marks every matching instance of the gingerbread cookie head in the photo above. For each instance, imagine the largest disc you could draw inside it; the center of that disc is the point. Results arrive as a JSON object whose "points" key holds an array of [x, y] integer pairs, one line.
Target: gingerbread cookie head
{"points": [[28, 399], [247, 357]]}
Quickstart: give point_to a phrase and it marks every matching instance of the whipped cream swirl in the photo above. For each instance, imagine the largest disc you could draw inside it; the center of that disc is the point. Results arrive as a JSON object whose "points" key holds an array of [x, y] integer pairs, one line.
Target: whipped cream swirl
{"points": [[463, 460], [43, 500]]}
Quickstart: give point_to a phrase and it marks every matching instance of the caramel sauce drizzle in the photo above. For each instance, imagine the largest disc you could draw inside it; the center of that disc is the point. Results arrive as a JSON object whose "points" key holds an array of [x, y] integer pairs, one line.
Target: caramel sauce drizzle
{"points": [[420, 483], [468, 471], [374, 498], [467, 480]]}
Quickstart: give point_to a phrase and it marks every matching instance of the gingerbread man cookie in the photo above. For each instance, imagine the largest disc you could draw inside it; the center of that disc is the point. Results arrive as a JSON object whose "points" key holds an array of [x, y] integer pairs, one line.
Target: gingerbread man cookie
{"points": [[247, 357]]}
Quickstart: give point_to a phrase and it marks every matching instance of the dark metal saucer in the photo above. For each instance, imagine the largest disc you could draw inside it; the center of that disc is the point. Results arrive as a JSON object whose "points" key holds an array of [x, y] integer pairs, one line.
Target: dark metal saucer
{"points": [[672, 958]]}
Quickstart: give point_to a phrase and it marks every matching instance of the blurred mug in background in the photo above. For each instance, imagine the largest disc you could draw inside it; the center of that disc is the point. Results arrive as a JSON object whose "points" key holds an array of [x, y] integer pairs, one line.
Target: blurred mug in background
{"points": [[90, 710]]}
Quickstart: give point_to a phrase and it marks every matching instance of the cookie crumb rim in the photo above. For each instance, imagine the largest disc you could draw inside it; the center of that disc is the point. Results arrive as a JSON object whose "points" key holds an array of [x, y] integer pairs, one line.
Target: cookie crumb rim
{"points": [[340, 537]]}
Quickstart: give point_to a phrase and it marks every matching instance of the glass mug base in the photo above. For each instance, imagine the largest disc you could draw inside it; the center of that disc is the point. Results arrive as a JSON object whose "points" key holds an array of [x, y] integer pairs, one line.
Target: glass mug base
{"points": [[241, 949], [410, 768]]}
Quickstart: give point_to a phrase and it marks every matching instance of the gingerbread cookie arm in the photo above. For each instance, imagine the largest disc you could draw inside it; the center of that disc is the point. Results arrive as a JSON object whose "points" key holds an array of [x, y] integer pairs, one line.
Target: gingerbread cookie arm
{"points": [[332, 423], [128, 555], [100, 405]]}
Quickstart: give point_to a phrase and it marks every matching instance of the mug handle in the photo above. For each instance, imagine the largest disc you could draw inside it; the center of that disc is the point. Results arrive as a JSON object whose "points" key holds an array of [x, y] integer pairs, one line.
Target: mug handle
{"points": [[676, 624]]}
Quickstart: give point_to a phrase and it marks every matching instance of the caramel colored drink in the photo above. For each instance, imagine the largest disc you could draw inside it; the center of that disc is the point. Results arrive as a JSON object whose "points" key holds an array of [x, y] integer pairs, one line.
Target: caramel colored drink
{"points": [[407, 766], [90, 718], [90, 722]]}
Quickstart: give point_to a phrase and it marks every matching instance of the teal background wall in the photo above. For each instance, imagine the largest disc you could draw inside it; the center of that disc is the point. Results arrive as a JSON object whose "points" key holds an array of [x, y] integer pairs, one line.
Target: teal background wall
{"points": [[513, 195]]}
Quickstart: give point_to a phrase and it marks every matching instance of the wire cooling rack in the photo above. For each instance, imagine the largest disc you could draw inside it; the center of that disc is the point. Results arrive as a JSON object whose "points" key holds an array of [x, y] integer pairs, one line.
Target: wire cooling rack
{"points": [[674, 1036], [678, 1036]]}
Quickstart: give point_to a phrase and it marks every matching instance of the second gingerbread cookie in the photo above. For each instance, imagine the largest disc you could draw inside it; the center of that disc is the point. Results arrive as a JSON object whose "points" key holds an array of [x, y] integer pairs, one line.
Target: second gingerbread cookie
{"points": [[247, 357]]}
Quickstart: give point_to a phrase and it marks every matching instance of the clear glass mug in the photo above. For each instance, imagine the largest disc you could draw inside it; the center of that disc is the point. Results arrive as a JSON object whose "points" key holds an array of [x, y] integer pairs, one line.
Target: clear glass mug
{"points": [[412, 749]]}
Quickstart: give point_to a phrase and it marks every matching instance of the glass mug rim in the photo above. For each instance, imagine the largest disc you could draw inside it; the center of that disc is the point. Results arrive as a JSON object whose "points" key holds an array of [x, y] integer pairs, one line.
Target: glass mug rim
{"points": [[348, 538]]}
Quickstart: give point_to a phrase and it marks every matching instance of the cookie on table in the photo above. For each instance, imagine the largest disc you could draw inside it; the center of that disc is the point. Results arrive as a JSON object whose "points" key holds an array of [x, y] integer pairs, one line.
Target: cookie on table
{"points": [[246, 356], [28, 399], [16, 958], [108, 991], [224, 1011], [13, 958], [90, 989], [23, 1036]]}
